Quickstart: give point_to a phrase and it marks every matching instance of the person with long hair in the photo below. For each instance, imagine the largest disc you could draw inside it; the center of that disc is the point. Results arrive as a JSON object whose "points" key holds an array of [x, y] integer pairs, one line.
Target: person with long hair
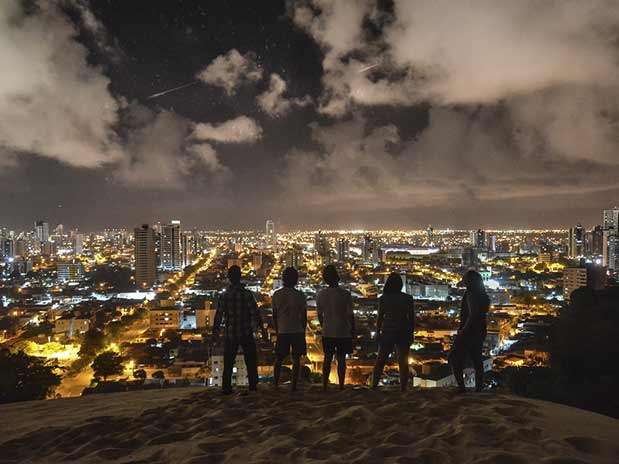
{"points": [[470, 338], [395, 327]]}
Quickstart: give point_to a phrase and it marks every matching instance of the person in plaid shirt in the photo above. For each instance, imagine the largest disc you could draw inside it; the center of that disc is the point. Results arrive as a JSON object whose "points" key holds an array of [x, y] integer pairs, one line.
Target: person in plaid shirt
{"points": [[238, 312]]}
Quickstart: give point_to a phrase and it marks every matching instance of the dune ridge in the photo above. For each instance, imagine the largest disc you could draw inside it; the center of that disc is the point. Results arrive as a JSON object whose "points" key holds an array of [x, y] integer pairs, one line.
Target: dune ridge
{"points": [[356, 425]]}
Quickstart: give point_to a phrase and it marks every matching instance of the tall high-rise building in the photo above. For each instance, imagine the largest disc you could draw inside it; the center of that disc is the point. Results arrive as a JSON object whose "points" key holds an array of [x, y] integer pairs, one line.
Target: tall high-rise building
{"points": [[573, 278], [321, 245], [8, 248], [430, 235], [41, 231], [478, 238], [367, 250], [342, 250], [596, 241], [270, 233], [576, 241], [610, 226], [492, 242], [78, 244], [170, 247], [186, 249], [294, 257], [145, 259]]}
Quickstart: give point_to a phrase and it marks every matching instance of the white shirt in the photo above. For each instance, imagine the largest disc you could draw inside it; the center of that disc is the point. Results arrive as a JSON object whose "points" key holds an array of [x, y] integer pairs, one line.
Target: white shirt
{"points": [[334, 306], [290, 309]]}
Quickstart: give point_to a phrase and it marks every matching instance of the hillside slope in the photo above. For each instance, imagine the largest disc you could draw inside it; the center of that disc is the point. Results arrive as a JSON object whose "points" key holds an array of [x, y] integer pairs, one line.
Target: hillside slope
{"points": [[357, 425]]}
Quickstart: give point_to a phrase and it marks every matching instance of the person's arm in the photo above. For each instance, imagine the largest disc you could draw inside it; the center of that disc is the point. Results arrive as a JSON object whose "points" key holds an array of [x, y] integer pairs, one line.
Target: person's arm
{"points": [[274, 305], [352, 316], [219, 315], [381, 315], [304, 312], [411, 317], [473, 312], [319, 310]]}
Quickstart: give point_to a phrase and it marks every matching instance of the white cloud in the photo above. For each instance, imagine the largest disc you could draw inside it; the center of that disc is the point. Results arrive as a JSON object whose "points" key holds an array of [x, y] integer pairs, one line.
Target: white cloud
{"points": [[52, 102], [274, 102], [238, 130], [231, 70]]}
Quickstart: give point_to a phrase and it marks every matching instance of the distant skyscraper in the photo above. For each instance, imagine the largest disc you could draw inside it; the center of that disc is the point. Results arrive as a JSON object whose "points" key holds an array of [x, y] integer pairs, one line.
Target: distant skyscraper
{"points": [[367, 250], [597, 241], [430, 235], [294, 257], [186, 249], [270, 233], [573, 278], [170, 247], [8, 248], [492, 243], [342, 250], [145, 259], [78, 244], [469, 258], [610, 218], [610, 226], [41, 231], [321, 245], [576, 241], [478, 238]]}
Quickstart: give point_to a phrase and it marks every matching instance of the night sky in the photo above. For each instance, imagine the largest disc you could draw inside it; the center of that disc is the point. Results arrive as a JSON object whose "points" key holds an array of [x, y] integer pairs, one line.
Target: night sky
{"points": [[362, 114]]}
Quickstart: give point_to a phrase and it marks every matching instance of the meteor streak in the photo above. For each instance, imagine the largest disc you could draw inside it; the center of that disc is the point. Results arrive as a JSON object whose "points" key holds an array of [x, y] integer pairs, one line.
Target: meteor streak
{"points": [[165, 92], [367, 68]]}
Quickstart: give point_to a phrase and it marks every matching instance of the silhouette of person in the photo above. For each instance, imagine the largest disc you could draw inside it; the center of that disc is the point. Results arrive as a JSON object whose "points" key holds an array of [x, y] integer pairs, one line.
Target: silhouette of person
{"points": [[472, 333], [334, 308], [238, 313], [290, 320], [395, 327]]}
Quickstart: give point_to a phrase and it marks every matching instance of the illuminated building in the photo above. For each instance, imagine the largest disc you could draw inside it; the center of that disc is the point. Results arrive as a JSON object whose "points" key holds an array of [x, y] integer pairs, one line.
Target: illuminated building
{"points": [[478, 239], [342, 249], [294, 257], [469, 258], [205, 317], [597, 241], [165, 316], [69, 272], [8, 248], [78, 244], [492, 243], [145, 258], [170, 251], [573, 278], [270, 233], [321, 245], [70, 326], [576, 242], [41, 231], [257, 261], [239, 371]]}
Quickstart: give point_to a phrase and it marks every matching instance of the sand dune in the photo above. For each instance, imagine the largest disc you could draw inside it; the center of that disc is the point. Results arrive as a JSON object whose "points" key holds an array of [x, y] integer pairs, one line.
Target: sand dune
{"points": [[357, 425]]}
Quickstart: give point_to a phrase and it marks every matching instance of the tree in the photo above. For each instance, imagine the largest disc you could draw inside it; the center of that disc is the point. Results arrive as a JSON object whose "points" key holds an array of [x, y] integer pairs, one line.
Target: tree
{"points": [[24, 378], [139, 374], [92, 343], [108, 363], [10, 324]]}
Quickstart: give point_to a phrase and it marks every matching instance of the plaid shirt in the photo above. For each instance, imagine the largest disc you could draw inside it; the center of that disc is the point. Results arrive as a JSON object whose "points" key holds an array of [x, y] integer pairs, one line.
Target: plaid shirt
{"points": [[237, 311]]}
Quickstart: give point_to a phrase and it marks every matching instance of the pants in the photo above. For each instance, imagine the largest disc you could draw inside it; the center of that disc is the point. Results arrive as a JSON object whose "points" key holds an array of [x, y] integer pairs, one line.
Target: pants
{"points": [[468, 346], [231, 346]]}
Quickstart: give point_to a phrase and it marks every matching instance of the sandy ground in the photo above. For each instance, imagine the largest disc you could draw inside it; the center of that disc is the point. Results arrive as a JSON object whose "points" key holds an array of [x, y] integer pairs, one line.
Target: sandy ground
{"points": [[357, 425]]}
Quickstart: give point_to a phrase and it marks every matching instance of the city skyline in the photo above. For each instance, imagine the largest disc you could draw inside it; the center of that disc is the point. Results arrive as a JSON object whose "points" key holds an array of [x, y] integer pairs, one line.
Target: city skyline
{"points": [[317, 114]]}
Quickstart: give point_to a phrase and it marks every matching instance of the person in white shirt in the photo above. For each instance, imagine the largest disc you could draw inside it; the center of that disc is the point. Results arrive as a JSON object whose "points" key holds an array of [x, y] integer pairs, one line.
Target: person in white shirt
{"points": [[290, 320], [334, 307]]}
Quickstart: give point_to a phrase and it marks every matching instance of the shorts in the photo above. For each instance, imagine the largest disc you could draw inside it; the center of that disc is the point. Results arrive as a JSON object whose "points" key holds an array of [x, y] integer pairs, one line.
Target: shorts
{"points": [[287, 342], [402, 340], [339, 345]]}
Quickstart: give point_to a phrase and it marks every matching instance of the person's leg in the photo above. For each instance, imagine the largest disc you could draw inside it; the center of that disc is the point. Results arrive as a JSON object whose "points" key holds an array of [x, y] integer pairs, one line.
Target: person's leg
{"points": [[379, 366], [456, 361], [296, 367], [403, 352], [326, 369], [478, 363], [251, 361], [230, 349], [341, 368], [277, 368]]}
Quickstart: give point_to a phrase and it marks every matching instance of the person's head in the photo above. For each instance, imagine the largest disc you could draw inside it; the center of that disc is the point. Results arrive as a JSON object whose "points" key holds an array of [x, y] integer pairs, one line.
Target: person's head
{"points": [[393, 284], [290, 277], [473, 282], [234, 275], [330, 275]]}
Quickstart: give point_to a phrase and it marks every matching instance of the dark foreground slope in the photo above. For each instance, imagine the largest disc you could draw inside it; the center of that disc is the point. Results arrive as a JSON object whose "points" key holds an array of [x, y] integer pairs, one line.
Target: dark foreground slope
{"points": [[198, 426]]}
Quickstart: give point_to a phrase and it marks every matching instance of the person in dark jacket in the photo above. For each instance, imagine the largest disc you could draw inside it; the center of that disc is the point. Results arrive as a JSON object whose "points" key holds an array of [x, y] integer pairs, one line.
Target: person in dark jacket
{"points": [[395, 327], [470, 338]]}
